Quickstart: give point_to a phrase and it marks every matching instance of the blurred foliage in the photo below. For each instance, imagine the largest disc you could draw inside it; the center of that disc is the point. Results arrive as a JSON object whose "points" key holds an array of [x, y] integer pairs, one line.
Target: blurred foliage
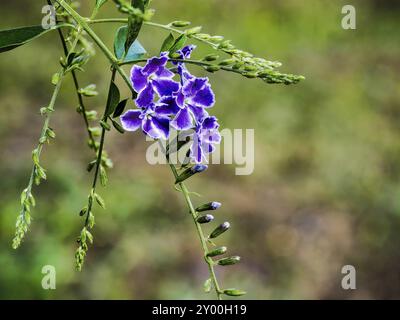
{"points": [[326, 186]]}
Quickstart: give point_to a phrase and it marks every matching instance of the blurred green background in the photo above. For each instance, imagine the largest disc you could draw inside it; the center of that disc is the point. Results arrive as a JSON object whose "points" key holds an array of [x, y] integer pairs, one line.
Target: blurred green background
{"points": [[325, 191]]}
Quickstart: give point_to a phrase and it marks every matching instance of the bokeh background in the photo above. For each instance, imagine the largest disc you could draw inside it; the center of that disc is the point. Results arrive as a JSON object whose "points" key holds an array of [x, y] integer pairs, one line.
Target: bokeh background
{"points": [[325, 191]]}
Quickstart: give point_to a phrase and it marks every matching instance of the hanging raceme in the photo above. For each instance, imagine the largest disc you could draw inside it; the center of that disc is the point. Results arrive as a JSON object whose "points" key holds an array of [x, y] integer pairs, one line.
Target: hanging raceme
{"points": [[166, 95]]}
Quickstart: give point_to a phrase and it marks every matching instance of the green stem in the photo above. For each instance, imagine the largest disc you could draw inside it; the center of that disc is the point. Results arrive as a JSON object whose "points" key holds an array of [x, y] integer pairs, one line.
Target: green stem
{"points": [[200, 233], [153, 24], [110, 56], [22, 221], [77, 87]]}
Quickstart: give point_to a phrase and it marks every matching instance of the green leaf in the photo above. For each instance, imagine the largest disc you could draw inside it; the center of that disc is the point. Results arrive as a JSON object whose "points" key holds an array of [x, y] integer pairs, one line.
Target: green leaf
{"points": [[134, 24], [113, 100], [13, 38], [117, 126], [168, 43], [207, 285], [179, 43], [135, 51], [99, 3], [120, 108]]}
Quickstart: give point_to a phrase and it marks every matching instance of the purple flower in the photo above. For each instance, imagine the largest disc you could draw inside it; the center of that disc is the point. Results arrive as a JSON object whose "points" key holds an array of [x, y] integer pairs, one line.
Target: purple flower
{"points": [[185, 53], [205, 136], [192, 98], [153, 78], [154, 123]]}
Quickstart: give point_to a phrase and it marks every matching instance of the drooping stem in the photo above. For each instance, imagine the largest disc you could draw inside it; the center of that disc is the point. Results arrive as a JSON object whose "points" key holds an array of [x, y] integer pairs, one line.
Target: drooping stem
{"points": [[203, 239], [77, 87], [93, 196], [38, 172], [85, 26]]}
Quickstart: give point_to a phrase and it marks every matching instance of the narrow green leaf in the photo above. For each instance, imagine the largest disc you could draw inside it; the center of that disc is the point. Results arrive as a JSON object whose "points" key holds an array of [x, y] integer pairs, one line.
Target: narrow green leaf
{"points": [[134, 24], [168, 43], [117, 126], [99, 3], [179, 43], [113, 100], [13, 38], [120, 108], [135, 51]]}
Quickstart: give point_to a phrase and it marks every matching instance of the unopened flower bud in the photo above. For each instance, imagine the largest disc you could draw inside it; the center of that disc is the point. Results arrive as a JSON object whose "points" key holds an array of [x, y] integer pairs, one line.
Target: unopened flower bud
{"points": [[180, 24], [217, 252], [220, 230], [211, 57], [234, 292], [205, 219], [190, 172], [228, 261], [209, 206]]}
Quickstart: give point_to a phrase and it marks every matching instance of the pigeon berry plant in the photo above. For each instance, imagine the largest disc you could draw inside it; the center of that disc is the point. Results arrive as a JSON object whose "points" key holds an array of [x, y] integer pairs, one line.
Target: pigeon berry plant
{"points": [[166, 95]]}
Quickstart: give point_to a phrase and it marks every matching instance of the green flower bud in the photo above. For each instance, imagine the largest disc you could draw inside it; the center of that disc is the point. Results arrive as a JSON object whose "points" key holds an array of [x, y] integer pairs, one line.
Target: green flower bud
{"points": [[180, 24], [211, 57], [205, 219], [217, 252], [234, 292], [209, 206], [220, 230], [228, 261], [212, 68]]}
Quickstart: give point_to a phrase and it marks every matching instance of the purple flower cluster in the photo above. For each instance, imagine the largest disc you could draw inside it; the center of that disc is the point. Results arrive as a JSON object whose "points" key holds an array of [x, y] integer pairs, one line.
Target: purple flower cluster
{"points": [[163, 102]]}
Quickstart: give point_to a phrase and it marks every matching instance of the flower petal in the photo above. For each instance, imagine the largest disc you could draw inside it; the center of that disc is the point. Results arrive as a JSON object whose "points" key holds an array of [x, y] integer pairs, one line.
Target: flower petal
{"points": [[154, 64], [156, 128], [194, 85], [165, 87], [210, 123], [138, 79], [204, 97], [145, 97], [167, 106], [198, 113], [164, 73], [211, 136], [183, 120], [196, 152], [130, 120]]}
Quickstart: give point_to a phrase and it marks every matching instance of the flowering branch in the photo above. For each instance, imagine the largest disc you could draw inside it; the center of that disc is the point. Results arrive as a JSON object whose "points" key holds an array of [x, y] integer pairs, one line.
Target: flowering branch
{"points": [[203, 239], [38, 172]]}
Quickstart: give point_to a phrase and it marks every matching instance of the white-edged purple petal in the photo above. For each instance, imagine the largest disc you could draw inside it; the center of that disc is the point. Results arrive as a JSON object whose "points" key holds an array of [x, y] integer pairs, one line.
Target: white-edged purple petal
{"points": [[211, 136], [192, 86], [131, 120], [196, 152], [167, 106], [204, 97], [210, 123], [198, 113], [163, 72], [138, 79], [156, 128], [165, 87], [154, 64], [145, 97], [182, 120]]}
